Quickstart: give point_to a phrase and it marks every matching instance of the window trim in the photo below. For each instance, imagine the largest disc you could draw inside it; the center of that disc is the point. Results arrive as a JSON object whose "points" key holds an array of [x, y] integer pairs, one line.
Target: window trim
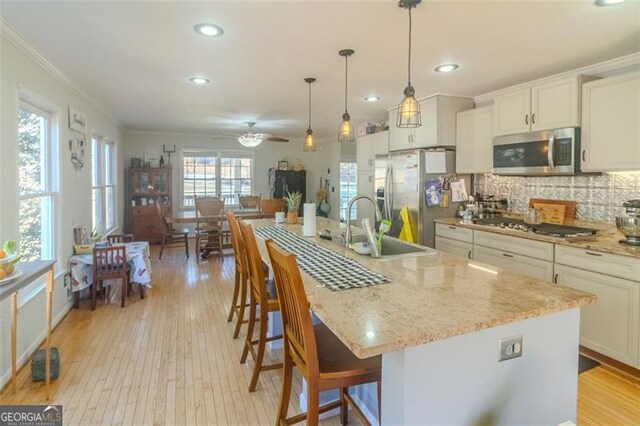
{"points": [[218, 154], [101, 184]]}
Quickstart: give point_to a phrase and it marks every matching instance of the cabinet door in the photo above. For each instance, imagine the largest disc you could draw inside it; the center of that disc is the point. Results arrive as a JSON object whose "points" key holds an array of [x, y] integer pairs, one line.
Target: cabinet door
{"points": [[426, 135], [399, 138], [454, 247], [381, 143], [511, 112], [611, 124], [611, 325], [365, 146], [474, 138], [555, 105], [534, 268], [365, 187]]}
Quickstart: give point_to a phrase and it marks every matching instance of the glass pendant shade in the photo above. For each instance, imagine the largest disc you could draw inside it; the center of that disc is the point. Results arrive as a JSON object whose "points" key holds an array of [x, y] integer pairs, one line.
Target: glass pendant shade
{"points": [[409, 110], [250, 141], [309, 141], [345, 132]]}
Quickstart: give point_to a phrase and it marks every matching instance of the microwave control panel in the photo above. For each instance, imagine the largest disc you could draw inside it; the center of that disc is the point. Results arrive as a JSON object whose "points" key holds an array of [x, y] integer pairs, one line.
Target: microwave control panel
{"points": [[563, 155]]}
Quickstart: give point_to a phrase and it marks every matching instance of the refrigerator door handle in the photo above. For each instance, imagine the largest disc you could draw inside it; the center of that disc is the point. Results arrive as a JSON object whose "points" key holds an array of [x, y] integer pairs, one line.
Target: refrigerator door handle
{"points": [[390, 192]]}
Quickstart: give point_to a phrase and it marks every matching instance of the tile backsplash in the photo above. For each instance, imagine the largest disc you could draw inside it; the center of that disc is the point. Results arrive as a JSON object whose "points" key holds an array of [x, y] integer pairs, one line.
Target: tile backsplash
{"points": [[599, 197]]}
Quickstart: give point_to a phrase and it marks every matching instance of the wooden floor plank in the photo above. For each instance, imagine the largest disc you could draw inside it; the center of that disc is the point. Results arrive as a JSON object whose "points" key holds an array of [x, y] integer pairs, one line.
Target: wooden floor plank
{"points": [[171, 359]]}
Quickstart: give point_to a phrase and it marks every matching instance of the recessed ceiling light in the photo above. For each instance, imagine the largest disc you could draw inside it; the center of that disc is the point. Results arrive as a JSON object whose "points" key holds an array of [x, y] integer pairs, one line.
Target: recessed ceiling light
{"points": [[208, 30], [608, 2], [372, 98], [199, 80], [446, 67]]}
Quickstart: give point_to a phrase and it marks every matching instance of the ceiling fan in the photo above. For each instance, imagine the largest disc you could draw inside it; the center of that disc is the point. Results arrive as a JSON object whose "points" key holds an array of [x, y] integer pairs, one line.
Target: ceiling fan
{"points": [[251, 139]]}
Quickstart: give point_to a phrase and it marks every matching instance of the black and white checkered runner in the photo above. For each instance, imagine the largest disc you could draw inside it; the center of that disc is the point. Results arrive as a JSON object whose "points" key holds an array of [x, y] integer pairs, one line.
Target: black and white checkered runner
{"points": [[331, 269]]}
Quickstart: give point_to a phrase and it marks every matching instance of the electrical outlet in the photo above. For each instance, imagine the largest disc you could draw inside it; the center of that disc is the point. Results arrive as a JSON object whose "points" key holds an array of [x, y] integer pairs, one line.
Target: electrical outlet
{"points": [[510, 347]]}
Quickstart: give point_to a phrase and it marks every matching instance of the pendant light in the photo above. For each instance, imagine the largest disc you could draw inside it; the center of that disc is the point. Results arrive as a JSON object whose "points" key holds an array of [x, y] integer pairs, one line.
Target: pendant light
{"points": [[345, 132], [309, 140], [409, 108]]}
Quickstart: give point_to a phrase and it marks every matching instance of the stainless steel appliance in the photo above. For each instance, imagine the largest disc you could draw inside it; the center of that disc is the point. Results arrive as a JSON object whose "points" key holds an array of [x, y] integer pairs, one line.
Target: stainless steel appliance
{"points": [[629, 225], [400, 181], [548, 229], [551, 152]]}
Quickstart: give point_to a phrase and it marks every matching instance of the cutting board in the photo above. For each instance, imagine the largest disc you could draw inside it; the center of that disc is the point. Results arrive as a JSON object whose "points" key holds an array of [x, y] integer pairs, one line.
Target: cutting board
{"points": [[553, 210]]}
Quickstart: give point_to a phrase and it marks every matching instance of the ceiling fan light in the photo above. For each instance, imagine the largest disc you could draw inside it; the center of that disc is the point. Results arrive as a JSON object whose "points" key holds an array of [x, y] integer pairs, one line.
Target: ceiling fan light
{"points": [[409, 110], [249, 141], [345, 131], [309, 141]]}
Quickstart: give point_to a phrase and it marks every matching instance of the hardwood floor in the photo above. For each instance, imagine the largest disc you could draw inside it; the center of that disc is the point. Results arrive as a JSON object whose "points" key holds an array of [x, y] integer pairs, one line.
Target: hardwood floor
{"points": [[170, 359]]}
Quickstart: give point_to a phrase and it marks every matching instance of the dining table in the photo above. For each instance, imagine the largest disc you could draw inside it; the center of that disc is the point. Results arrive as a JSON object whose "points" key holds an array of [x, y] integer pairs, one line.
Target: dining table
{"points": [[189, 216], [138, 259]]}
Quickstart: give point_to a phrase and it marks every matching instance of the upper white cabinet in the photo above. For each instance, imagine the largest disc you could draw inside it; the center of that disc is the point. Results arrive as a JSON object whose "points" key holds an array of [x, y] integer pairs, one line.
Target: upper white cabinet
{"points": [[365, 152], [611, 124], [438, 124], [381, 143], [474, 137], [542, 106]]}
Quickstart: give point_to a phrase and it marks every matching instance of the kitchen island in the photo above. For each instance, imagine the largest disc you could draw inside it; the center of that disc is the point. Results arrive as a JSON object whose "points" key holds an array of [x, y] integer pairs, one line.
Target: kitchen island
{"points": [[437, 325]]}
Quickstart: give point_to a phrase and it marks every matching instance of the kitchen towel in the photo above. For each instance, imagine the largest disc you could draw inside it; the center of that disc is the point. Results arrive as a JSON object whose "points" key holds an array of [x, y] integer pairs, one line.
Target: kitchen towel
{"points": [[309, 225]]}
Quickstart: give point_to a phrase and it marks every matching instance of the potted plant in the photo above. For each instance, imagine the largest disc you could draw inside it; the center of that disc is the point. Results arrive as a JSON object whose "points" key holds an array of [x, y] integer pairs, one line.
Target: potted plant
{"points": [[293, 205]]}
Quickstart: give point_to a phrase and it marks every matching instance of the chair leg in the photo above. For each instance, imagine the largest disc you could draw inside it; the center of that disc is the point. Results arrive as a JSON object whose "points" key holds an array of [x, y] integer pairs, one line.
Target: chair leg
{"points": [[164, 240], [234, 298], [94, 294], [243, 302], [380, 401], [262, 343], [141, 291], [123, 296], [285, 393], [76, 299], [107, 294], [313, 404], [344, 407], [197, 248], [186, 244], [250, 327]]}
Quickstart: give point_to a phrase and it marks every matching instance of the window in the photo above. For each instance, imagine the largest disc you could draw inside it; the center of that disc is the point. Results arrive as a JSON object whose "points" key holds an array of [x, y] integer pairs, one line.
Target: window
{"points": [[36, 183], [348, 189], [216, 174], [103, 182]]}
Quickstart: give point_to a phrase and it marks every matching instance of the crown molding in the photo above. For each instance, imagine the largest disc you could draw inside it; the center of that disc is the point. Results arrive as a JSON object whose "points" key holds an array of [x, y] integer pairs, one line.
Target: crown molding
{"points": [[601, 69], [13, 37]]}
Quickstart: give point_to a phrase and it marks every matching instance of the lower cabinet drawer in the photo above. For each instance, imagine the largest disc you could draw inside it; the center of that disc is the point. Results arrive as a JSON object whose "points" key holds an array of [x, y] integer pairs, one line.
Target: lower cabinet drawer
{"points": [[454, 232], [534, 268], [611, 326], [522, 246], [604, 263], [455, 247]]}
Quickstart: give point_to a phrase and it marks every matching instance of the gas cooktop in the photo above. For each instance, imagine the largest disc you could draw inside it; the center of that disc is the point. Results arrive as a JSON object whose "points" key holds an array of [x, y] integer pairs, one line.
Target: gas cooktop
{"points": [[549, 229]]}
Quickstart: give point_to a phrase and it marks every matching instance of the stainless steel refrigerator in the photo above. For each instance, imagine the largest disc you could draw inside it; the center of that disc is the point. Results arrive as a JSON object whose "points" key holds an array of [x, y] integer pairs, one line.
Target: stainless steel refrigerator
{"points": [[400, 179]]}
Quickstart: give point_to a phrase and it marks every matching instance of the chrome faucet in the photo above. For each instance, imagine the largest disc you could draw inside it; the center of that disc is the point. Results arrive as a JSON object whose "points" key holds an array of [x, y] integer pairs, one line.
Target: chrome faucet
{"points": [[347, 238]]}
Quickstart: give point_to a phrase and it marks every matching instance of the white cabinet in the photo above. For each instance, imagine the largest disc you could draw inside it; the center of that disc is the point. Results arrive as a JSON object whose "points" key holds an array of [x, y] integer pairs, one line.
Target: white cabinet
{"points": [[521, 246], [454, 247], [611, 124], [454, 232], [474, 137], [534, 268], [438, 124], [543, 106], [611, 326], [381, 143], [365, 153]]}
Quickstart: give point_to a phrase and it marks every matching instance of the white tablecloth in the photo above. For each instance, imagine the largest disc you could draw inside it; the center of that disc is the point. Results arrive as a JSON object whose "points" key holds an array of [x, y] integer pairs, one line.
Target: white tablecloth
{"points": [[138, 258]]}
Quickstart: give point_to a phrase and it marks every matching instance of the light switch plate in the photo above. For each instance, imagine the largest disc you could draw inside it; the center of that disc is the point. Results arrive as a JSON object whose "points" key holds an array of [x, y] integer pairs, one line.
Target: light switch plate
{"points": [[509, 348]]}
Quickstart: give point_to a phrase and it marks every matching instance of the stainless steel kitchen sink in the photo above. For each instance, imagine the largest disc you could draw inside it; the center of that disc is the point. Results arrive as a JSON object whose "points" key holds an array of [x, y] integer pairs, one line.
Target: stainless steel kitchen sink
{"points": [[393, 248]]}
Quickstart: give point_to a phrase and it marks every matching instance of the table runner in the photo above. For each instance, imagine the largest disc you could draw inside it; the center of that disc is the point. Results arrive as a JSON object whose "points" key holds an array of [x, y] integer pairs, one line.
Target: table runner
{"points": [[331, 269]]}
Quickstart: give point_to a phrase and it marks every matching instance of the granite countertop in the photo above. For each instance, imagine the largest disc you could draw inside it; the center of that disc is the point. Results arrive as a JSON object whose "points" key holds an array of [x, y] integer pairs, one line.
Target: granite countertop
{"points": [[607, 240], [430, 297]]}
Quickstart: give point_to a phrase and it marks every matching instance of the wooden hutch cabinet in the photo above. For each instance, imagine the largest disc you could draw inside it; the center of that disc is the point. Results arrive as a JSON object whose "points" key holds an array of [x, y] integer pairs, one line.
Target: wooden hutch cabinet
{"points": [[148, 188]]}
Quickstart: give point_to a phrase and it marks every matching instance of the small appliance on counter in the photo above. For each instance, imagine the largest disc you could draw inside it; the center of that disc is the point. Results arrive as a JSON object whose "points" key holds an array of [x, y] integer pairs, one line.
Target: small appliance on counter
{"points": [[629, 224]]}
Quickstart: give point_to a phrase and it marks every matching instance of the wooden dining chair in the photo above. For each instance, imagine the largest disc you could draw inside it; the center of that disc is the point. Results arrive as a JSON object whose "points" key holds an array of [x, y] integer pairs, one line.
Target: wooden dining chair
{"points": [[269, 207], [172, 237], [239, 298], [249, 202], [260, 296], [110, 263], [209, 234], [120, 238], [322, 359]]}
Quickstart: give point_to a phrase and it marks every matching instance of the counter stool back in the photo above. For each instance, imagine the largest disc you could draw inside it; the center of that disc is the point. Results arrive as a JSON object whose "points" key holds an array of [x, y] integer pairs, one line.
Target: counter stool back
{"points": [[239, 298]]}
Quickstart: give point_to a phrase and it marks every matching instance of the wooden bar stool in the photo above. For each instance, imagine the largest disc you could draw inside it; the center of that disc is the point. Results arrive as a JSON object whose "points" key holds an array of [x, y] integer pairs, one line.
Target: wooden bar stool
{"points": [[322, 359], [260, 295], [239, 298], [269, 207]]}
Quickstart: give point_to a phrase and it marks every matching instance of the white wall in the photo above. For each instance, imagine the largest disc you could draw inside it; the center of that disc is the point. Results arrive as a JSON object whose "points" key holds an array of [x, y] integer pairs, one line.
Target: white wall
{"points": [[266, 155], [23, 67]]}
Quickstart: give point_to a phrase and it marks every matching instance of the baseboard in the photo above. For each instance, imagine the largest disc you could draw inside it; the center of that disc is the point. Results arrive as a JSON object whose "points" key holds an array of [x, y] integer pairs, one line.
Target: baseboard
{"points": [[24, 357], [612, 364]]}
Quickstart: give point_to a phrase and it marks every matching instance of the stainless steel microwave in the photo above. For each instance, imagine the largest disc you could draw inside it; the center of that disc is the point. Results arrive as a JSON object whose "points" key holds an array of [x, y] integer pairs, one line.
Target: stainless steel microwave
{"points": [[551, 152]]}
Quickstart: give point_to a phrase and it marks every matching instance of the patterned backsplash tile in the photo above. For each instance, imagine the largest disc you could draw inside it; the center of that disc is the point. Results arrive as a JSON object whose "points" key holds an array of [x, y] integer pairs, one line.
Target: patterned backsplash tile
{"points": [[599, 197]]}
